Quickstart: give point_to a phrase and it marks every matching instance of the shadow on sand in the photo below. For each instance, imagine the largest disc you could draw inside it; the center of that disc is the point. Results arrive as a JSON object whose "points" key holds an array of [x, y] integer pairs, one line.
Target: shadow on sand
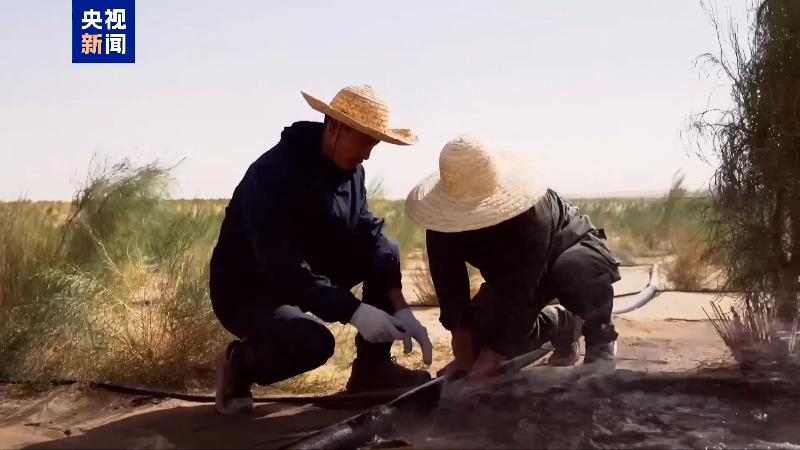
{"points": [[200, 426]]}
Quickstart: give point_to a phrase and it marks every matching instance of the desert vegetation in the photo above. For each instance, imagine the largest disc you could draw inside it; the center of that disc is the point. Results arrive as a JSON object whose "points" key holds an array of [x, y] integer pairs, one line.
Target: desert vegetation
{"points": [[755, 191]]}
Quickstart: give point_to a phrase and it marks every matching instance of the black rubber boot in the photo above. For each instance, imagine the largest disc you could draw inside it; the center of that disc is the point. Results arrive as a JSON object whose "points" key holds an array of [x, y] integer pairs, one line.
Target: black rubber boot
{"points": [[565, 340], [601, 343], [373, 375], [233, 387], [374, 369]]}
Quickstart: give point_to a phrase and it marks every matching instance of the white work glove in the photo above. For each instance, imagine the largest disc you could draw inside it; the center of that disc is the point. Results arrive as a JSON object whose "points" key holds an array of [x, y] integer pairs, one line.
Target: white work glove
{"points": [[414, 329], [376, 325]]}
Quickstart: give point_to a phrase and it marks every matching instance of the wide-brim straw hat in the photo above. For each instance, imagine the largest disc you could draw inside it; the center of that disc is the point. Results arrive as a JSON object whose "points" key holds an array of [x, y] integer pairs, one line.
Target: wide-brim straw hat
{"points": [[477, 186], [362, 109]]}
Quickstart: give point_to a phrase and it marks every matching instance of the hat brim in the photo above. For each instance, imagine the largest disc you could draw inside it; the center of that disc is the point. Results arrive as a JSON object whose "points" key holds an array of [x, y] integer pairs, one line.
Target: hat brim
{"points": [[396, 136], [429, 206]]}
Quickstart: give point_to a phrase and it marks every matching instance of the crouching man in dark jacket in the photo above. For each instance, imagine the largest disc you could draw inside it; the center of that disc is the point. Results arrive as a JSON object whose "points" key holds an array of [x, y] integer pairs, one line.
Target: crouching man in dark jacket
{"points": [[531, 247], [297, 236]]}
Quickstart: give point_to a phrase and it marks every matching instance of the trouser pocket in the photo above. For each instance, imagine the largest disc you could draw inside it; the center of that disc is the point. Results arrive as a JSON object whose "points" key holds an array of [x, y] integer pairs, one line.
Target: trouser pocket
{"points": [[593, 242]]}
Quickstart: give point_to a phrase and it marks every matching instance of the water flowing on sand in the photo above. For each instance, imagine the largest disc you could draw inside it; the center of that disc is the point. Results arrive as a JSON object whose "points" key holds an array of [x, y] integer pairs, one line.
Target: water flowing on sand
{"points": [[567, 408]]}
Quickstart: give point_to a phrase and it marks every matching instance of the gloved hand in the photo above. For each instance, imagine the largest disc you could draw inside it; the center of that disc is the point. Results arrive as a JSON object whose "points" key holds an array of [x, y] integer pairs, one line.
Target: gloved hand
{"points": [[414, 329], [376, 325]]}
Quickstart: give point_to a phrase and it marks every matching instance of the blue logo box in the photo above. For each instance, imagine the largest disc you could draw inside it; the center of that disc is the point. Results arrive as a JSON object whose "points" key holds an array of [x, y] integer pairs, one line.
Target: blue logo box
{"points": [[103, 31]]}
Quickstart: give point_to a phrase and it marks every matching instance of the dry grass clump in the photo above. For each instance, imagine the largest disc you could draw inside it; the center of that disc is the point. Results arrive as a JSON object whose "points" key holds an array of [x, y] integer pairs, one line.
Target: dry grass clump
{"points": [[688, 268], [115, 292], [756, 339]]}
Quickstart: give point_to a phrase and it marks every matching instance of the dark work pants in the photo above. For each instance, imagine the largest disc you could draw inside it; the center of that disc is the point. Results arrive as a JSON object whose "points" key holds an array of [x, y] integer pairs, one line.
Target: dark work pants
{"points": [[581, 280], [285, 342]]}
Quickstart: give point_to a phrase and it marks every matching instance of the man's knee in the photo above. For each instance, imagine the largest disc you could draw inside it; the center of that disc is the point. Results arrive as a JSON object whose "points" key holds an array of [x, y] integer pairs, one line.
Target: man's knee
{"points": [[482, 301], [291, 348], [312, 343], [587, 294], [598, 293], [386, 261], [582, 280], [324, 344]]}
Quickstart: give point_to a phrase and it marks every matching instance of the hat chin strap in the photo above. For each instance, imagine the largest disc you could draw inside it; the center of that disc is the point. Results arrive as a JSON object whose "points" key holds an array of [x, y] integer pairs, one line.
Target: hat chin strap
{"points": [[335, 142]]}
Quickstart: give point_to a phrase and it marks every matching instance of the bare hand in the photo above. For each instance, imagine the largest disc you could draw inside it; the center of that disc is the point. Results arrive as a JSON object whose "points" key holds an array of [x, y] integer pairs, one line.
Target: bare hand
{"points": [[455, 369], [463, 352], [486, 366]]}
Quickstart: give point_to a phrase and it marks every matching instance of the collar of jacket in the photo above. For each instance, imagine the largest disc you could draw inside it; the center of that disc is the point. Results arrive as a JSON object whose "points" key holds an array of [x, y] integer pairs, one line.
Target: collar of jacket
{"points": [[305, 138]]}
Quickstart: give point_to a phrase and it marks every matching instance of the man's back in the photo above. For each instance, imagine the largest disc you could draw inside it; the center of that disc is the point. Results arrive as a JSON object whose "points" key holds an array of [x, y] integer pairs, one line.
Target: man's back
{"points": [[532, 239], [570, 224]]}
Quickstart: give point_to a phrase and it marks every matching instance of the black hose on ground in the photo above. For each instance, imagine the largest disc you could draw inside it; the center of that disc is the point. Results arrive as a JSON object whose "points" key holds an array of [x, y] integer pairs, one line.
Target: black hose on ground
{"points": [[362, 428], [337, 400]]}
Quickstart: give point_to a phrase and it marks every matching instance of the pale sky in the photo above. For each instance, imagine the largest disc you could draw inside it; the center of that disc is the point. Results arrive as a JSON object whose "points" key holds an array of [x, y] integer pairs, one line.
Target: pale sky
{"points": [[597, 92]]}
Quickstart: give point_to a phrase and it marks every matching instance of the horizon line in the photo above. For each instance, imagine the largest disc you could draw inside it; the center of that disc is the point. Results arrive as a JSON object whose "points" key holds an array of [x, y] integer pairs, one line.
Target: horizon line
{"points": [[652, 194]]}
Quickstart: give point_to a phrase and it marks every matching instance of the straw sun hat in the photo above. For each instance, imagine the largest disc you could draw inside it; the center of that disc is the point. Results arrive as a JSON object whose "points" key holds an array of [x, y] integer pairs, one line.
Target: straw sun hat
{"points": [[360, 108], [476, 187]]}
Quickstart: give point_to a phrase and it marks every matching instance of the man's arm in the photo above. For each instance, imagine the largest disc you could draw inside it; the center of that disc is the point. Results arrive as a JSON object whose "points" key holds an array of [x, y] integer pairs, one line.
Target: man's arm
{"points": [[383, 253], [450, 281], [384, 257], [513, 307], [267, 212]]}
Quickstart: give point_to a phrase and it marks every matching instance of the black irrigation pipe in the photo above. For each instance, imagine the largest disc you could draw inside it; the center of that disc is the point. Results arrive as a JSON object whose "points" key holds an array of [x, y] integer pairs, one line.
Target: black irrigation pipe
{"points": [[361, 429], [703, 291], [337, 400]]}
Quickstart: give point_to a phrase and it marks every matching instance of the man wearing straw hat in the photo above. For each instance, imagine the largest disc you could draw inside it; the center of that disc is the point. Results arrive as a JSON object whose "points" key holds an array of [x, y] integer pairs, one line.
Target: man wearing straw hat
{"points": [[297, 236], [531, 247]]}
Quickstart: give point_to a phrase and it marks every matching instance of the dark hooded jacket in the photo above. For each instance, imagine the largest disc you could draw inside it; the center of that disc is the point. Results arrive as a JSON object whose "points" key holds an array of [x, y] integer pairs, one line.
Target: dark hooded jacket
{"points": [[298, 231]]}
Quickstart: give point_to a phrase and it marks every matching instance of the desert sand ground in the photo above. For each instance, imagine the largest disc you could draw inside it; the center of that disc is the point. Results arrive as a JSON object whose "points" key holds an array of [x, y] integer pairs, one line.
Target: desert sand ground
{"points": [[671, 333]]}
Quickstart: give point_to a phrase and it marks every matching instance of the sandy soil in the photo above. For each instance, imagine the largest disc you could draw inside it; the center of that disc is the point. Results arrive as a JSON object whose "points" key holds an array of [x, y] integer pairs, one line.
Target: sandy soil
{"points": [[671, 333]]}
